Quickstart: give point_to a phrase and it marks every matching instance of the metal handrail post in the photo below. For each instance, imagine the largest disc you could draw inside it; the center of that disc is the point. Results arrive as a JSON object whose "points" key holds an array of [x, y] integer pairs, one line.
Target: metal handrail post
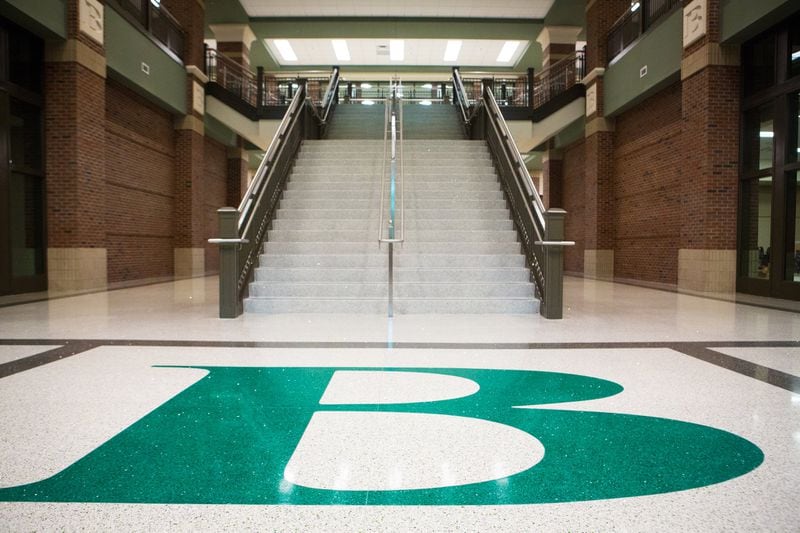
{"points": [[230, 306], [552, 305]]}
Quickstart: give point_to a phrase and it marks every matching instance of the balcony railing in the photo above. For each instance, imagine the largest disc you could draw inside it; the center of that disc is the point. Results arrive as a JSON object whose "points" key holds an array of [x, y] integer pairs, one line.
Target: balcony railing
{"points": [[232, 76], [558, 78], [154, 20], [635, 22]]}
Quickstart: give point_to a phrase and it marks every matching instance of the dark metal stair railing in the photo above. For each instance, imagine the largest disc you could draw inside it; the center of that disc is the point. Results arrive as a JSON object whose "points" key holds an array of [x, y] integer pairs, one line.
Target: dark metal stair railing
{"points": [[541, 230], [242, 230]]}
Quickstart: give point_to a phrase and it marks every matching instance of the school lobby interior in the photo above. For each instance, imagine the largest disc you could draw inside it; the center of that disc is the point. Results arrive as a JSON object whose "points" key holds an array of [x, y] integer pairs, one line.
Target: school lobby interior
{"points": [[530, 265]]}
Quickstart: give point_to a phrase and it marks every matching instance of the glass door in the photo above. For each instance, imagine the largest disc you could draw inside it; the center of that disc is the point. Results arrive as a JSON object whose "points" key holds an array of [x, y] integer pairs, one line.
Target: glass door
{"points": [[769, 208], [23, 265]]}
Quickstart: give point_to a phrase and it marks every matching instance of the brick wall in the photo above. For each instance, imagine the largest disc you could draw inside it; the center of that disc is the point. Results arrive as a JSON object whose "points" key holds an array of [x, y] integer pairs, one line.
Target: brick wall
{"points": [[574, 168], [139, 176], [647, 189], [74, 137], [215, 188], [711, 166]]}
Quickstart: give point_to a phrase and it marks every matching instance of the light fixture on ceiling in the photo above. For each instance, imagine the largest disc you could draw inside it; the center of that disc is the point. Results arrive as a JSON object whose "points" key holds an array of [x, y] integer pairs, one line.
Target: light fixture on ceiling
{"points": [[507, 51], [285, 49], [766, 134], [340, 49], [452, 50], [427, 86], [367, 102], [635, 6], [366, 86], [397, 49], [425, 102]]}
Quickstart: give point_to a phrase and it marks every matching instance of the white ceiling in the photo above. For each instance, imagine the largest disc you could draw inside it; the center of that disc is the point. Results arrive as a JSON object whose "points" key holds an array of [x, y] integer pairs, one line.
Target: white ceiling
{"points": [[422, 52], [517, 9]]}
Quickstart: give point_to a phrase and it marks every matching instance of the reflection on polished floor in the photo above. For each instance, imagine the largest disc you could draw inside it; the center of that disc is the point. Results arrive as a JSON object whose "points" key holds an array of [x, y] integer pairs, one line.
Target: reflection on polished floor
{"points": [[642, 410]]}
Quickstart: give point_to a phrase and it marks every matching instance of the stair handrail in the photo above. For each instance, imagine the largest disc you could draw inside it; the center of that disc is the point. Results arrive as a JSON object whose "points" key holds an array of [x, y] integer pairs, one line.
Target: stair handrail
{"points": [[331, 92], [393, 125], [520, 170], [243, 230], [461, 95], [541, 231]]}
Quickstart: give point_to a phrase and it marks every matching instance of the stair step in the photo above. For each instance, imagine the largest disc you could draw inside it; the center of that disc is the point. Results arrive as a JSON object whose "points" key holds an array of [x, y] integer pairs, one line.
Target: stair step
{"points": [[371, 247], [401, 306], [360, 289], [401, 261], [428, 275]]}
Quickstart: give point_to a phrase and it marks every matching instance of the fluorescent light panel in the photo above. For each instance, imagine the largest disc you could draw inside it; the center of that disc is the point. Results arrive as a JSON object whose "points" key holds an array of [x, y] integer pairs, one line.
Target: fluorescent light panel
{"points": [[340, 49], [452, 50], [285, 49], [507, 52], [397, 49]]}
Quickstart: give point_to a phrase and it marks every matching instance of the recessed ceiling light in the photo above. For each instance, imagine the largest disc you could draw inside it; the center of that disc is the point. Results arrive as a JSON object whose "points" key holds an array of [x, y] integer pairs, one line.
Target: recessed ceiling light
{"points": [[766, 134], [427, 86], [285, 49], [425, 102], [507, 52], [397, 49], [367, 102], [340, 49], [452, 50], [366, 86]]}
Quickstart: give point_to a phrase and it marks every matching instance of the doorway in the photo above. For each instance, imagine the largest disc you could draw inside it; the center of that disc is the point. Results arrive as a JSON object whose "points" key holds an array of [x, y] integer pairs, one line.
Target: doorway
{"points": [[769, 209], [23, 262]]}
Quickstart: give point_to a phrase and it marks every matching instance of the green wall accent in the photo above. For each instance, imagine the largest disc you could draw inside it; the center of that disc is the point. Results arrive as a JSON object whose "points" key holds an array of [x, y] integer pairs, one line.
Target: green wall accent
{"points": [[571, 133], [45, 18], [742, 19], [127, 48], [567, 13], [219, 131], [661, 50]]}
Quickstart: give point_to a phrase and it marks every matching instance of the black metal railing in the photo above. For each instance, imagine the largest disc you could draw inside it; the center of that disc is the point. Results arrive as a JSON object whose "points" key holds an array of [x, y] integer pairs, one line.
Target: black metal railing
{"points": [[541, 231], [242, 230], [415, 91], [559, 77], [155, 20], [234, 77], [639, 18]]}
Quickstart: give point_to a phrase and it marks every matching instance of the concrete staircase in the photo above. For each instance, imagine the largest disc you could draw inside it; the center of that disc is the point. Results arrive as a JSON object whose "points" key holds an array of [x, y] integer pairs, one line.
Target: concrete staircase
{"points": [[357, 121], [460, 254], [431, 122]]}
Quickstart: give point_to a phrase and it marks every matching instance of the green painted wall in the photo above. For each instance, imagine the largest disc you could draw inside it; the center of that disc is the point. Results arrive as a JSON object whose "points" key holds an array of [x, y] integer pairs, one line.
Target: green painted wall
{"points": [[46, 18], [571, 133], [743, 19], [660, 50], [219, 131], [127, 48]]}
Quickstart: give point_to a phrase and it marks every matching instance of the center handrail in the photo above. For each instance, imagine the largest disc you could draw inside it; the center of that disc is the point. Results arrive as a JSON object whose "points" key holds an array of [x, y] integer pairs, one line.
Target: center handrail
{"points": [[463, 104]]}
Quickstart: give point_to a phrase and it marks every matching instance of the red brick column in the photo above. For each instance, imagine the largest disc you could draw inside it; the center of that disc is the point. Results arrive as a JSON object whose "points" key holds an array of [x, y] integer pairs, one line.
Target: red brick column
{"points": [[190, 228], [74, 130], [234, 41], [710, 136], [598, 260]]}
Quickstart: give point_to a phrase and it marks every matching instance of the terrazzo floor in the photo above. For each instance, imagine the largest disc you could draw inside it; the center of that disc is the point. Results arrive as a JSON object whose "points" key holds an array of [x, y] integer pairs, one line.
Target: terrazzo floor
{"points": [[641, 410]]}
